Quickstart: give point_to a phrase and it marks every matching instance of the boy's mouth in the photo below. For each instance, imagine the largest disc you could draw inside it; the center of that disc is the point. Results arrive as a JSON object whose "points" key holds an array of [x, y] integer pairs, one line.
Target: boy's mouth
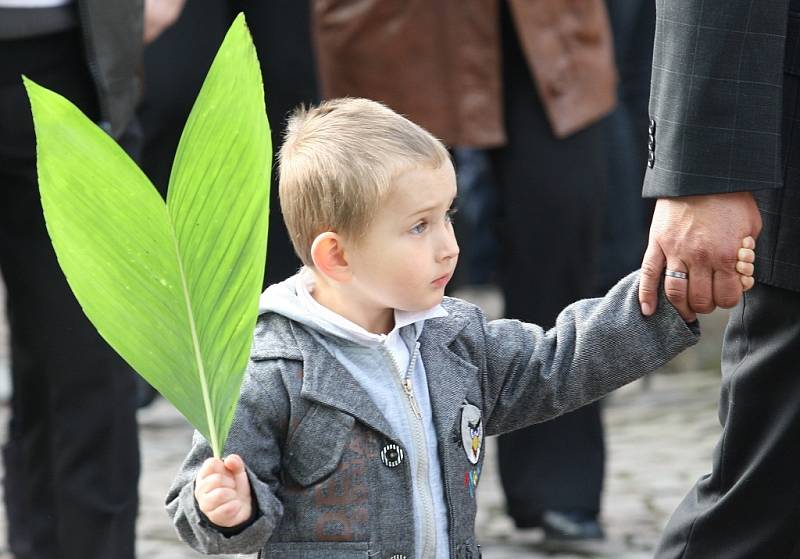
{"points": [[442, 280]]}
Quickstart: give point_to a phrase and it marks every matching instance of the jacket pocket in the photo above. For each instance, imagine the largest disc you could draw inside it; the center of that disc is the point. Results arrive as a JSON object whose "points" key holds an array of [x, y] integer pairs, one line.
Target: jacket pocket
{"points": [[315, 448], [317, 550]]}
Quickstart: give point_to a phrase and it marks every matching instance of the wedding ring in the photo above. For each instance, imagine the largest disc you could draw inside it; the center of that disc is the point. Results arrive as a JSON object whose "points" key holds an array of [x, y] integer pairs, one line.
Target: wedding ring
{"points": [[675, 274]]}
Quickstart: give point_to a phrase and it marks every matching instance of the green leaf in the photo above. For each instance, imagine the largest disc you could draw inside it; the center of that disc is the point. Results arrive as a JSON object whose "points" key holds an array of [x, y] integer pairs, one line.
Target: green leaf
{"points": [[173, 288]]}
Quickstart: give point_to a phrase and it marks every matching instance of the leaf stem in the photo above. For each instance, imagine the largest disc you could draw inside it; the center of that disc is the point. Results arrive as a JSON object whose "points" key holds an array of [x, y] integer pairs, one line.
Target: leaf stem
{"points": [[201, 371]]}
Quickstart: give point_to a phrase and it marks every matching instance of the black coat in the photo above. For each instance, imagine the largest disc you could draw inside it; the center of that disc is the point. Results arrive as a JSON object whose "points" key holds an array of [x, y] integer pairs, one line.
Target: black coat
{"points": [[722, 106]]}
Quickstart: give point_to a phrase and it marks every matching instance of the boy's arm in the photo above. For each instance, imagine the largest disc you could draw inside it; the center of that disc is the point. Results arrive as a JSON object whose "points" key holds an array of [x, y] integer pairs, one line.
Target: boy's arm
{"points": [[256, 435], [596, 346]]}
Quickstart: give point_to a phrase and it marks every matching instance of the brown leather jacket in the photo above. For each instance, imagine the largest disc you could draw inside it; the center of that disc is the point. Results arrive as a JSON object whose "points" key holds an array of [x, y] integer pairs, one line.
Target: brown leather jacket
{"points": [[439, 61]]}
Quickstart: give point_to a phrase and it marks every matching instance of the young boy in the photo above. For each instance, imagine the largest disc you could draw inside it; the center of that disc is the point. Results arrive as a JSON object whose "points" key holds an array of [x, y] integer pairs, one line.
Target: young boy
{"points": [[360, 427]]}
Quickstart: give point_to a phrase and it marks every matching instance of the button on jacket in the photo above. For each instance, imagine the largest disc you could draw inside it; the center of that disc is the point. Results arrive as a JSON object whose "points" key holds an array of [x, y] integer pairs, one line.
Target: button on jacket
{"points": [[312, 438]]}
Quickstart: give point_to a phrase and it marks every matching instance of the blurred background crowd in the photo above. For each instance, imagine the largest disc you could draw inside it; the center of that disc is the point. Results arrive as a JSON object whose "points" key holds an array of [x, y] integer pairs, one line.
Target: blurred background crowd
{"points": [[543, 103]]}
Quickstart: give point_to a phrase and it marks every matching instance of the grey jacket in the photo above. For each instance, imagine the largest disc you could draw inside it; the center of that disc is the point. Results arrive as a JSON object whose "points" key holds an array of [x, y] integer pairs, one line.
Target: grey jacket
{"points": [[723, 108], [313, 440]]}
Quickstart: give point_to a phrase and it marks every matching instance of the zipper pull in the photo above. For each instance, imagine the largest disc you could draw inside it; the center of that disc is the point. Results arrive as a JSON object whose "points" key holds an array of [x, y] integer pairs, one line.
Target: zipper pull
{"points": [[411, 399]]}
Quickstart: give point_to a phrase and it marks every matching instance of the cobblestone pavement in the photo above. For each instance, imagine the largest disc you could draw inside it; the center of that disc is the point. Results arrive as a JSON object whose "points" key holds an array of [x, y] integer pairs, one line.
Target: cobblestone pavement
{"points": [[660, 436]]}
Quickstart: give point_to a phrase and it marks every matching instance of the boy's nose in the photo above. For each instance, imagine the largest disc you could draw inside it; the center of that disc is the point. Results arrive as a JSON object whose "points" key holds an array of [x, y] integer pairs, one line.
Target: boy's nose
{"points": [[449, 247]]}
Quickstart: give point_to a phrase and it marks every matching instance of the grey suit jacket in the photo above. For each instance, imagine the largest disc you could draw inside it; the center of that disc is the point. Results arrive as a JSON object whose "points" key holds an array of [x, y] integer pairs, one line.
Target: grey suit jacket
{"points": [[723, 115]]}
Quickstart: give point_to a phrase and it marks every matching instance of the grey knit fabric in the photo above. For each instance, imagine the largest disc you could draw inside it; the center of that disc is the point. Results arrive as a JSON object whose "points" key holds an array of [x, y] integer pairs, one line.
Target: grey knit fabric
{"points": [[312, 438]]}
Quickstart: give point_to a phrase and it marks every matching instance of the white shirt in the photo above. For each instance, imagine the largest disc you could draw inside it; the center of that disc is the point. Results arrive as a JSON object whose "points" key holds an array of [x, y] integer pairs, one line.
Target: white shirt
{"points": [[386, 397], [33, 3]]}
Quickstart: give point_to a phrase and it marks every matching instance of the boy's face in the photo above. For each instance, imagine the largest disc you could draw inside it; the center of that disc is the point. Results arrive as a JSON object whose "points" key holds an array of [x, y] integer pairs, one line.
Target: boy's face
{"points": [[409, 252]]}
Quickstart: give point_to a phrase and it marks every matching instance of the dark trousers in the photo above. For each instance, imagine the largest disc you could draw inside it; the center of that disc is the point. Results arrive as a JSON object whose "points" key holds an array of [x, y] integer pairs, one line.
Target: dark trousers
{"points": [[282, 35], [749, 505], [627, 216], [72, 455], [551, 195], [176, 65]]}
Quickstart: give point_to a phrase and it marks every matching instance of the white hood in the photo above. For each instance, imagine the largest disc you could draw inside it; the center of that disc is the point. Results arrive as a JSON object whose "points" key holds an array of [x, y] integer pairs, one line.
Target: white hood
{"points": [[292, 299]]}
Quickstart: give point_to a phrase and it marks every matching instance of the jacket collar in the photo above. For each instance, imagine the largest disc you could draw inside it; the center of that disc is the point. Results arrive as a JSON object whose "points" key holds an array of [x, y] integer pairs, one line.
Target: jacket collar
{"points": [[449, 375], [327, 382]]}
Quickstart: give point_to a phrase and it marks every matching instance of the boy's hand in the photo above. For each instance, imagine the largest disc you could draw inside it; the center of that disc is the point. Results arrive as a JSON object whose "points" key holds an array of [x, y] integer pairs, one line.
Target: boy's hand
{"points": [[222, 491], [744, 266]]}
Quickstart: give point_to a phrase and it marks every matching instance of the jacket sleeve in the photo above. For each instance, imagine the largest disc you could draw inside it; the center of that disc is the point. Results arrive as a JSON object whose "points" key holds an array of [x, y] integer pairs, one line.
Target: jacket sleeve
{"points": [[716, 97], [596, 346], [256, 435]]}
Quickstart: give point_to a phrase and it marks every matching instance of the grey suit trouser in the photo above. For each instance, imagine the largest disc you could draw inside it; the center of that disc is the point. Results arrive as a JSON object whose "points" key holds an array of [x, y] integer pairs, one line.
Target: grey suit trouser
{"points": [[749, 506]]}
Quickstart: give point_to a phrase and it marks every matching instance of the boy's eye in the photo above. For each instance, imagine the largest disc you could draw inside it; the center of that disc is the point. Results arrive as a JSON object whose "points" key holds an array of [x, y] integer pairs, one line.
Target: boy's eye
{"points": [[450, 215], [419, 228]]}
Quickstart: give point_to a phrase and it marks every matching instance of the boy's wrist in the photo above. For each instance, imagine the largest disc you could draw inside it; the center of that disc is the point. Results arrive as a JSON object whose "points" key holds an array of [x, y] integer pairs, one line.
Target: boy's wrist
{"points": [[229, 531]]}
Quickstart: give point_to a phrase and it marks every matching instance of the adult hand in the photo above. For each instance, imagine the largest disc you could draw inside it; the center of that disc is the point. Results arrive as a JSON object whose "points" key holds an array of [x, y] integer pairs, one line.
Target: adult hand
{"points": [[701, 236], [159, 15], [222, 491]]}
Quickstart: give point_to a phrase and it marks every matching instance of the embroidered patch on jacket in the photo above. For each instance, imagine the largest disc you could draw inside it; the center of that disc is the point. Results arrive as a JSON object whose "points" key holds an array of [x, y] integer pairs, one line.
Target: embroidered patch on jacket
{"points": [[471, 431], [471, 478]]}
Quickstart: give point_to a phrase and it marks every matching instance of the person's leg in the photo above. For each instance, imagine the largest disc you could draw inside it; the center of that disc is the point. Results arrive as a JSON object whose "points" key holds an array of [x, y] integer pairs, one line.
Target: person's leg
{"points": [[551, 194], [175, 65], [282, 34], [627, 219], [556, 466], [71, 459], [749, 505]]}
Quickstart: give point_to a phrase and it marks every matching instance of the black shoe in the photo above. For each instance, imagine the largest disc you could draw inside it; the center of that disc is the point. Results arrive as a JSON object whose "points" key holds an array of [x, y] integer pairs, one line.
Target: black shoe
{"points": [[571, 526]]}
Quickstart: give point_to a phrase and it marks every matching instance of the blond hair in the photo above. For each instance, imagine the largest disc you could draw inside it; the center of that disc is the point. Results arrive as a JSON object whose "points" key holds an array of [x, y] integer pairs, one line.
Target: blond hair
{"points": [[338, 162]]}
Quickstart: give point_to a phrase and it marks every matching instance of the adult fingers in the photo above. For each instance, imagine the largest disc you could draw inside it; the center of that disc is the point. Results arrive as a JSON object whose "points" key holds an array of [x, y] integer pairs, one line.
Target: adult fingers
{"points": [[650, 278], [747, 282], [677, 289], [727, 285], [727, 288], [701, 289]]}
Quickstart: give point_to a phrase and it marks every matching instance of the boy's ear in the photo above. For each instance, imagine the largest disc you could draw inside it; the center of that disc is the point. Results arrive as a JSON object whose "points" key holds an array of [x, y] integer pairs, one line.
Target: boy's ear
{"points": [[328, 255]]}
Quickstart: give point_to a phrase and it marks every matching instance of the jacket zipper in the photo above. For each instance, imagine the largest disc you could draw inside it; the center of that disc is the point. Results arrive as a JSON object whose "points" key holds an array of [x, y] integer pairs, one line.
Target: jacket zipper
{"points": [[407, 388], [448, 497], [418, 436]]}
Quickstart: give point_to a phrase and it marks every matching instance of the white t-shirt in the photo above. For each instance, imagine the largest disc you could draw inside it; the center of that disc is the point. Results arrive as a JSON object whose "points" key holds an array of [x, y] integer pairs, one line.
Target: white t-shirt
{"points": [[33, 3]]}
